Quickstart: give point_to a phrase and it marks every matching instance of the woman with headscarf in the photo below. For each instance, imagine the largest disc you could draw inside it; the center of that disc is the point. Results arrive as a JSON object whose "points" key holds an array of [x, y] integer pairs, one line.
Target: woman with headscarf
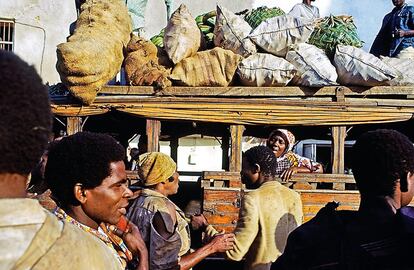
{"points": [[281, 141], [163, 225]]}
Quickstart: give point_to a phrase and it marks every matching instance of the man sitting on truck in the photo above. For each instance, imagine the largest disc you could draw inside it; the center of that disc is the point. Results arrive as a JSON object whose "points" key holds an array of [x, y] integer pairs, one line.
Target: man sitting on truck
{"points": [[305, 10], [377, 236]]}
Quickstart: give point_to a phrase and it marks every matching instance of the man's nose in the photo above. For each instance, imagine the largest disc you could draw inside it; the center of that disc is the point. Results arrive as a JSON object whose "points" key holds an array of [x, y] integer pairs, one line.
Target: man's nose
{"points": [[127, 193]]}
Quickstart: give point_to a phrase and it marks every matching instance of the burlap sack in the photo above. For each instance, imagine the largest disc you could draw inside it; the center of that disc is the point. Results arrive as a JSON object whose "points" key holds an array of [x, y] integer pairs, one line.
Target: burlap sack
{"points": [[264, 69], [404, 67], [93, 55], [214, 67], [313, 65], [276, 34], [141, 64], [181, 36], [357, 67], [231, 32]]}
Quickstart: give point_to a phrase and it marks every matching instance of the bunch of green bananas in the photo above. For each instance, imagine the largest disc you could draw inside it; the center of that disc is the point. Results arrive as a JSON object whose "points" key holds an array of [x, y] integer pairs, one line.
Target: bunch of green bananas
{"points": [[260, 14], [333, 30], [206, 23], [158, 40]]}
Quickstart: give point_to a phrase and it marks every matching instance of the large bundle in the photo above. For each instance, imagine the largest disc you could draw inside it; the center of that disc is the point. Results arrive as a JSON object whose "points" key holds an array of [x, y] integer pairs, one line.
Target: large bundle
{"points": [[141, 64], [335, 30], [276, 34], [231, 33], [263, 69], [93, 55], [404, 67], [357, 67], [258, 15], [214, 67], [314, 67], [182, 36], [205, 22]]}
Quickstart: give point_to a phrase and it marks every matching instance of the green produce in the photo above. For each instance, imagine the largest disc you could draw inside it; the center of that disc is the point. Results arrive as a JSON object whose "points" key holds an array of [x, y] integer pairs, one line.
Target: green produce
{"points": [[260, 14], [334, 30], [205, 22]]}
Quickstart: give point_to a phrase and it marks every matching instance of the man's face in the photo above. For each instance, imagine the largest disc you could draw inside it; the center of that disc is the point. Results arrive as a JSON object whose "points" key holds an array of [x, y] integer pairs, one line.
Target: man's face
{"points": [[248, 175], [172, 184], [398, 3], [277, 144], [108, 201]]}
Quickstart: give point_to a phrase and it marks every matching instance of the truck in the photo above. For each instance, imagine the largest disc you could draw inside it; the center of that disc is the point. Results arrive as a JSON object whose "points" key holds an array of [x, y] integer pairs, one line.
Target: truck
{"points": [[338, 114]]}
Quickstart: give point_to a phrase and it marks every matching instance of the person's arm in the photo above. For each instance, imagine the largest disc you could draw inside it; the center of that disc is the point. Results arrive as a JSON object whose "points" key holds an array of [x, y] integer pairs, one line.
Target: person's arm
{"points": [[219, 243], [246, 229]]}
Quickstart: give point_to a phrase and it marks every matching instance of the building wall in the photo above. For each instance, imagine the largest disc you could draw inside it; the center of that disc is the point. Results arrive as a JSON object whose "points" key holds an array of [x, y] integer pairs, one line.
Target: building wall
{"points": [[40, 26]]}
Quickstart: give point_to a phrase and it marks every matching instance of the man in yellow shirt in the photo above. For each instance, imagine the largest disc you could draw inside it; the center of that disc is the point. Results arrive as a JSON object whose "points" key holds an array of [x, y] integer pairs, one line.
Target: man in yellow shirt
{"points": [[269, 212]]}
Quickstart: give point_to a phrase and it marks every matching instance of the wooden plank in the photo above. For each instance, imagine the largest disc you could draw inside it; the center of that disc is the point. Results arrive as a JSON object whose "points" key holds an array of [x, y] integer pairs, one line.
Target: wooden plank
{"points": [[220, 175], [236, 136], [221, 194], [322, 178], [258, 91], [338, 151], [153, 130], [73, 125]]}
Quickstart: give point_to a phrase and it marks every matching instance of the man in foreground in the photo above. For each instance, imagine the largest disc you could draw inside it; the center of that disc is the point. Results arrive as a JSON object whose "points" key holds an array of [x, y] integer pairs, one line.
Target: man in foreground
{"points": [[377, 236], [30, 237]]}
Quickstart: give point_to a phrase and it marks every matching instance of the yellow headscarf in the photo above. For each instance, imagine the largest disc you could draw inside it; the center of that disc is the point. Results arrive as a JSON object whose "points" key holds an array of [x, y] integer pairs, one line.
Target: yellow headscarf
{"points": [[155, 167]]}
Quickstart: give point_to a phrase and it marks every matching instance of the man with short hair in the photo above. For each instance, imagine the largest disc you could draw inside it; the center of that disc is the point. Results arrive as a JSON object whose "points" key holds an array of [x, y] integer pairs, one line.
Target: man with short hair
{"points": [[31, 237], [377, 236], [269, 212], [305, 10], [397, 31], [87, 177]]}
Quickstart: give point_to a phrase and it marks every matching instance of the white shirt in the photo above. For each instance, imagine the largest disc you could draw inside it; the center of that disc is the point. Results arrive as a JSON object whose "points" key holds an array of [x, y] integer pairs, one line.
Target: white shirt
{"points": [[304, 11]]}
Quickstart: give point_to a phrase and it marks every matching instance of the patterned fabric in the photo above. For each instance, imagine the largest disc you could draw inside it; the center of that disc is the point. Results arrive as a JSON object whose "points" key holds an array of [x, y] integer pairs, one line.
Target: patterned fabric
{"points": [[291, 159], [114, 242]]}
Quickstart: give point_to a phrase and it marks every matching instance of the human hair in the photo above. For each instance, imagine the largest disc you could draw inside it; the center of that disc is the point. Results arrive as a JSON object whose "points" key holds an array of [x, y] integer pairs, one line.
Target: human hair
{"points": [[379, 159], [83, 158], [264, 157], [25, 115]]}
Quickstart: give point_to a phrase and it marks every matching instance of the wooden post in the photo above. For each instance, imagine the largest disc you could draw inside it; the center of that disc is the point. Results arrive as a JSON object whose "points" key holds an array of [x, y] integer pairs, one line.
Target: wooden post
{"points": [[225, 146], [236, 133], [338, 153], [73, 125], [153, 135], [174, 148]]}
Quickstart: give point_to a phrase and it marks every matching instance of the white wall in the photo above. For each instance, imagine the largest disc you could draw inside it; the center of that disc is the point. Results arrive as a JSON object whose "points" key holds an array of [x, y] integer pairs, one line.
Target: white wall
{"points": [[40, 26]]}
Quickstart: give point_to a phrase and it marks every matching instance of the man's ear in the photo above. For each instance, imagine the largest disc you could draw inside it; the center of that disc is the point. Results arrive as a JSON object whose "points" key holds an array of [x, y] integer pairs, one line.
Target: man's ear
{"points": [[80, 193], [256, 168]]}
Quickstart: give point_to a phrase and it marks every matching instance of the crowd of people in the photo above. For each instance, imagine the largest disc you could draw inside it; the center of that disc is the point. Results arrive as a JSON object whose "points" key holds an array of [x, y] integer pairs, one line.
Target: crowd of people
{"points": [[98, 223]]}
